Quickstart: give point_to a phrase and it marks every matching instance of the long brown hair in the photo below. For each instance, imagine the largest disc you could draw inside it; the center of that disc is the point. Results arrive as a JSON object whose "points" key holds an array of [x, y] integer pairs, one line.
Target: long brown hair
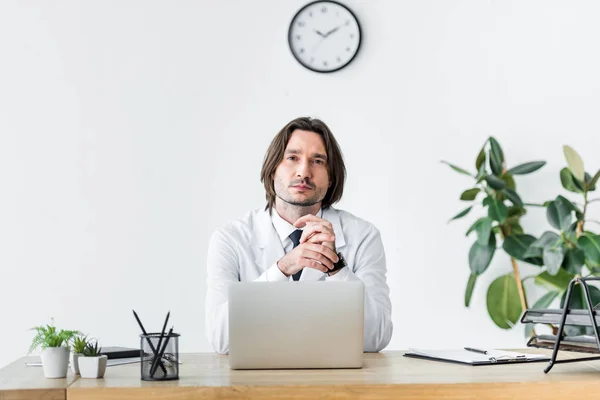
{"points": [[335, 161]]}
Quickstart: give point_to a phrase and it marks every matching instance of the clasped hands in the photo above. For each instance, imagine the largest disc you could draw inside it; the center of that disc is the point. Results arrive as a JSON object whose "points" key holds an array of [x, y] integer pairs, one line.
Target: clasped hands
{"points": [[316, 249]]}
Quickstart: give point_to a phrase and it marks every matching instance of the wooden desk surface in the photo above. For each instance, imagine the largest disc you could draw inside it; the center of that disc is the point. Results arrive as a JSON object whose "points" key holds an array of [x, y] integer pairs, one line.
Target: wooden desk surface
{"points": [[384, 375], [387, 375], [17, 381]]}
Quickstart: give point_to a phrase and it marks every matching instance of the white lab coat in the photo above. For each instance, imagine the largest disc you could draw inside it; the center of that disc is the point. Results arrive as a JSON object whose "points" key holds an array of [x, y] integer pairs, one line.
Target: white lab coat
{"points": [[243, 250]]}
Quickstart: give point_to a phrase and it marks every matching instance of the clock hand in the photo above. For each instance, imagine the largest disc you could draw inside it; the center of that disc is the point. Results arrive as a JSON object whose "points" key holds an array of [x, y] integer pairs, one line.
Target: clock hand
{"points": [[319, 33], [314, 50], [332, 31]]}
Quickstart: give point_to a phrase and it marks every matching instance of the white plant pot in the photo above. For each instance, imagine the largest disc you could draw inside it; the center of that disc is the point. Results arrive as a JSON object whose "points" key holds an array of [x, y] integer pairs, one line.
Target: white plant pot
{"points": [[92, 367], [74, 360], [55, 362]]}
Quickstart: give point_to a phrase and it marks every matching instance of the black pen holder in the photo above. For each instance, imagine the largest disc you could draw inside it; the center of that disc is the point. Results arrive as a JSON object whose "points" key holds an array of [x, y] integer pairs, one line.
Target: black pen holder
{"points": [[159, 363]]}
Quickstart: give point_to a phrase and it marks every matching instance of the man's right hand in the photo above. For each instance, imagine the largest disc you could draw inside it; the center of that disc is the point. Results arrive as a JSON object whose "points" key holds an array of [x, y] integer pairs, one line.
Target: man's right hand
{"points": [[308, 255]]}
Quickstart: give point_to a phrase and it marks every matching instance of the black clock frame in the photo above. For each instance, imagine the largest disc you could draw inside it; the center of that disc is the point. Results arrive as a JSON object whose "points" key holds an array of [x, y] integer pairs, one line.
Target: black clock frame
{"points": [[308, 66]]}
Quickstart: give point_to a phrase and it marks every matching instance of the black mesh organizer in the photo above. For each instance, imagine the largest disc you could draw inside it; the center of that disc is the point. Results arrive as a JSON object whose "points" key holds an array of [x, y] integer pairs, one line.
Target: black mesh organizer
{"points": [[160, 356], [588, 317]]}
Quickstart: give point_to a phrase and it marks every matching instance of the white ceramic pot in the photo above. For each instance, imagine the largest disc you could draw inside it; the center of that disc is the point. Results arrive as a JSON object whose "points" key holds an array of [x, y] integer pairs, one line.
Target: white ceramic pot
{"points": [[74, 361], [92, 367], [55, 362]]}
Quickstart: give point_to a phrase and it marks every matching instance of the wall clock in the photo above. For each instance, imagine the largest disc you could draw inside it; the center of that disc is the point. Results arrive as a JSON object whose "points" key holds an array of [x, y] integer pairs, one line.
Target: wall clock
{"points": [[324, 36]]}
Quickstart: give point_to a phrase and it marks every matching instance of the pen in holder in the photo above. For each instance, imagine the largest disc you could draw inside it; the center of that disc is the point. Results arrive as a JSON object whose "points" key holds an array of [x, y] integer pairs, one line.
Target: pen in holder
{"points": [[160, 364]]}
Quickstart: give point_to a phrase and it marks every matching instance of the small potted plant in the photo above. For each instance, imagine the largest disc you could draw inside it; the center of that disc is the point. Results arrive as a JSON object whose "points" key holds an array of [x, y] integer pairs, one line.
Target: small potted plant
{"points": [[91, 363], [79, 344], [55, 349]]}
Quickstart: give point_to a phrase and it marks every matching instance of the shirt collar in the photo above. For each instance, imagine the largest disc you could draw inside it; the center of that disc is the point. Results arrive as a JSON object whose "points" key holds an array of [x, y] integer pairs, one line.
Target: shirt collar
{"points": [[284, 229]]}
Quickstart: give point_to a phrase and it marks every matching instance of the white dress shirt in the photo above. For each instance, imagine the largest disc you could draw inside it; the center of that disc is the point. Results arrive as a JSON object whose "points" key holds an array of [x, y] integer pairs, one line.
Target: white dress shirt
{"points": [[248, 249]]}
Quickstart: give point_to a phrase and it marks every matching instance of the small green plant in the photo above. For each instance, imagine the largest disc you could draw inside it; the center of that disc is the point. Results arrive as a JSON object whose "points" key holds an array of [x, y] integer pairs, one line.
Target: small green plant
{"points": [[92, 349], [79, 344], [49, 336]]}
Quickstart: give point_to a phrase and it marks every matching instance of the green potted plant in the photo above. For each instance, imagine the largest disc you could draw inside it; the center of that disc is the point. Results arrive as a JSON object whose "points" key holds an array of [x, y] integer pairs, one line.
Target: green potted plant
{"points": [[55, 349], [92, 364], [79, 344], [571, 250]]}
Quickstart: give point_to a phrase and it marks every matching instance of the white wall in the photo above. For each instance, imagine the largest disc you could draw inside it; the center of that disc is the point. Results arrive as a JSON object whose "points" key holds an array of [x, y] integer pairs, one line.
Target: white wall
{"points": [[129, 130]]}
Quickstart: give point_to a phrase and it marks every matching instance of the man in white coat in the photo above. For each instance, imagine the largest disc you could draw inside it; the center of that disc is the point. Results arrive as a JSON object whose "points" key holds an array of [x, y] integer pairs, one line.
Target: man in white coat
{"points": [[299, 235]]}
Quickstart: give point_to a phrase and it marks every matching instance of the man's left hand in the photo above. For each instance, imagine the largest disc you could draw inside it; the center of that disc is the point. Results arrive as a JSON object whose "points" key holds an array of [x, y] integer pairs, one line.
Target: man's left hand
{"points": [[317, 230], [315, 226]]}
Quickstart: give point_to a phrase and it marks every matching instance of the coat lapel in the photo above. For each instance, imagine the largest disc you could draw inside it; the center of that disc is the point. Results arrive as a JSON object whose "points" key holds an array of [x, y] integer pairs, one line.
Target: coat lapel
{"points": [[266, 245]]}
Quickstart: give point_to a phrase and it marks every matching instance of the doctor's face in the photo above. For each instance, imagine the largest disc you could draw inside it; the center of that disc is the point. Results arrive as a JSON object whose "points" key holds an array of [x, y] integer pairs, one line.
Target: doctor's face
{"points": [[302, 177]]}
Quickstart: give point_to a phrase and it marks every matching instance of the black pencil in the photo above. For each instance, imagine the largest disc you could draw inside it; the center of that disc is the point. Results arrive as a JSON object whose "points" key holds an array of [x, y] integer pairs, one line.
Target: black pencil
{"points": [[162, 334], [148, 340], [162, 352]]}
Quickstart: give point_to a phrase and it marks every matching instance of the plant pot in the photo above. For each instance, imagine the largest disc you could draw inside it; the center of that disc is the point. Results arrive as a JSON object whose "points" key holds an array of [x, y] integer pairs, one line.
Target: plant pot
{"points": [[74, 360], [92, 367], [55, 362]]}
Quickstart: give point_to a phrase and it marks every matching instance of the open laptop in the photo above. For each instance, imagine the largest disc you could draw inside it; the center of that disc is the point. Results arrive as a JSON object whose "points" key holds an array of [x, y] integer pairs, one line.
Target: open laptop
{"points": [[275, 325]]}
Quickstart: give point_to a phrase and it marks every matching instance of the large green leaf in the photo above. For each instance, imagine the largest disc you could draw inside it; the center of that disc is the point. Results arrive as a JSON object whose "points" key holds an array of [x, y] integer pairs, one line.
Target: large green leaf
{"points": [[558, 282], [558, 214], [483, 227], [481, 173], [470, 194], [503, 303], [513, 216], [517, 245], [594, 180], [457, 169], [534, 252], [480, 158], [496, 157], [580, 185], [515, 212], [495, 165], [515, 228], [547, 237], [513, 197], [553, 257], [497, 210], [570, 234], [568, 180], [568, 203], [484, 230], [574, 260], [461, 214], [590, 244], [575, 163], [587, 181], [545, 300], [470, 287], [509, 181], [481, 256], [526, 168], [536, 249], [495, 182], [474, 226]]}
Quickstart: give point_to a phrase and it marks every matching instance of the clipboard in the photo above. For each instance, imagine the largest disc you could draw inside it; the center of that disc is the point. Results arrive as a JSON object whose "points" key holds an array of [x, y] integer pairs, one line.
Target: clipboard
{"points": [[461, 356]]}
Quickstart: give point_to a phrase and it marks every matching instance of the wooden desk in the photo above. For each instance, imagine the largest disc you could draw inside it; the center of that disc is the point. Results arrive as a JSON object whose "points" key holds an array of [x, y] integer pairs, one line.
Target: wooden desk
{"points": [[386, 375], [18, 382]]}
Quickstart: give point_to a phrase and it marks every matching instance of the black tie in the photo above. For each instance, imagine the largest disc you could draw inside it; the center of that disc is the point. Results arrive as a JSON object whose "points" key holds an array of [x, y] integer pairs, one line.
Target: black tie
{"points": [[295, 236]]}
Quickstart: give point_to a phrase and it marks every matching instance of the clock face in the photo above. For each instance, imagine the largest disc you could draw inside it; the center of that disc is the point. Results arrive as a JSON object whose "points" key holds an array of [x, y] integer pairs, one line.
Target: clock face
{"points": [[324, 36]]}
